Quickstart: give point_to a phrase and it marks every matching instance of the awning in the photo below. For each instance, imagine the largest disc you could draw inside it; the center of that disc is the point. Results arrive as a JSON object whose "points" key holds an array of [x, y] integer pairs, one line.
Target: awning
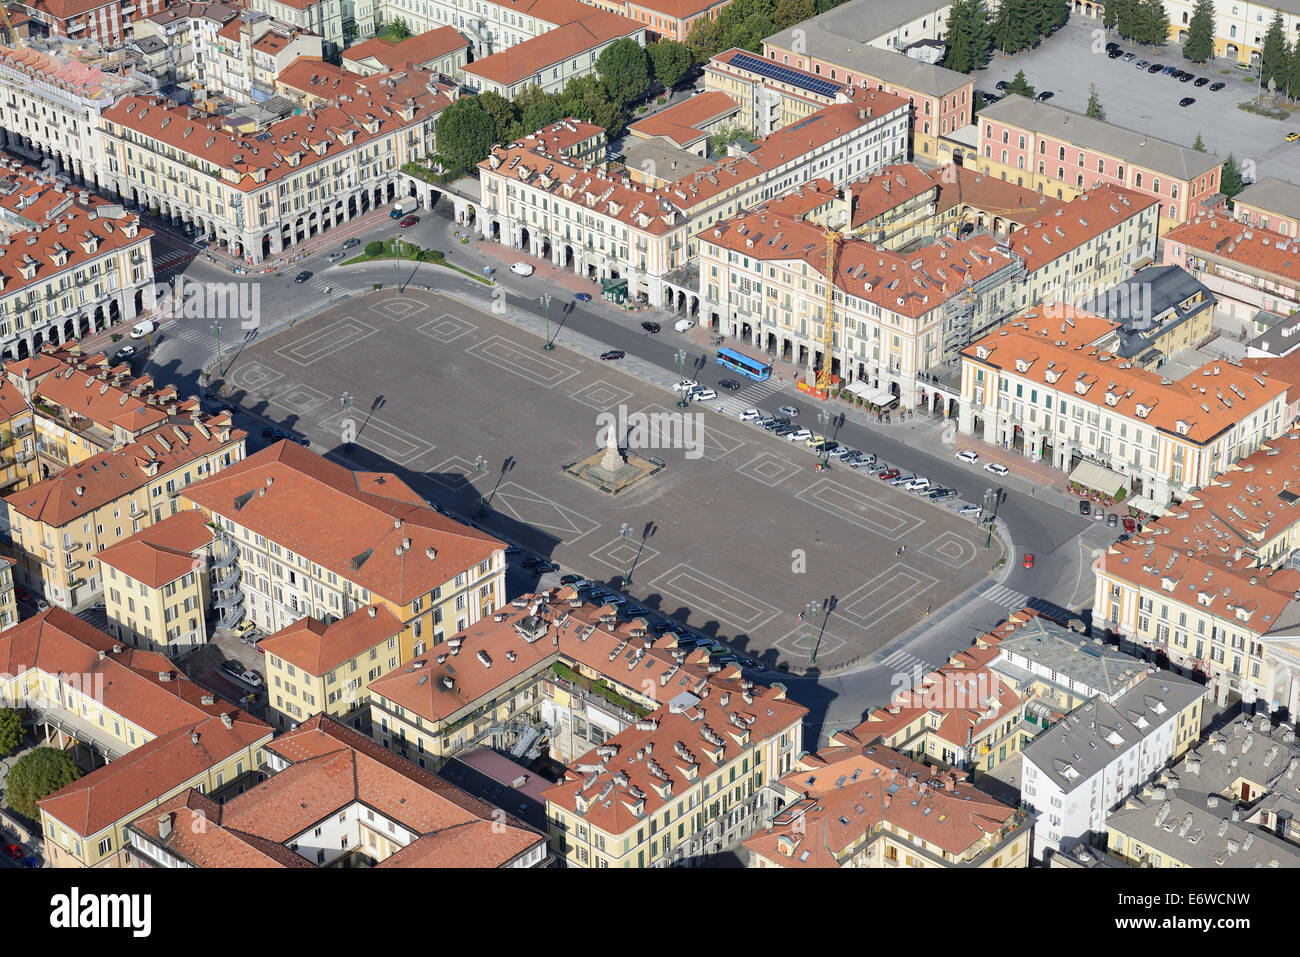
{"points": [[1148, 505], [1093, 476], [884, 397], [861, 388]]}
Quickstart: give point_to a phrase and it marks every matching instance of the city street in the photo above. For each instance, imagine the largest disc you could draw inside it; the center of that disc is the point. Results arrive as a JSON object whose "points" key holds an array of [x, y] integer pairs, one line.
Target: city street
{"points": [[1067, 64]]}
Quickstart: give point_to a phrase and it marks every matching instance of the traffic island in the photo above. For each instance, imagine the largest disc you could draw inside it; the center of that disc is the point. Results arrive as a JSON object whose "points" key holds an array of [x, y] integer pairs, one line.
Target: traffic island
{"points": [[613, 470]]}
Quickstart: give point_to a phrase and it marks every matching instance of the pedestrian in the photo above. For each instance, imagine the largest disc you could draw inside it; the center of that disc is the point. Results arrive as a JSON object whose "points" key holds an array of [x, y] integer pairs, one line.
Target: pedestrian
{"points": [[927, 610]]}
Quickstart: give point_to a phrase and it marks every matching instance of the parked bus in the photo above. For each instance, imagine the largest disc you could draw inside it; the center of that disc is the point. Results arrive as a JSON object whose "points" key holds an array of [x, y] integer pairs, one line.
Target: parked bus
{"points": [[745, 365]]}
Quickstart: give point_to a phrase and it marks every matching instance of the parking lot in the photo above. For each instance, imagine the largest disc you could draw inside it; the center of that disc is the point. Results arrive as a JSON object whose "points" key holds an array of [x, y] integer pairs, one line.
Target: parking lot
{"points": [[734, 537], [1066, 64]]}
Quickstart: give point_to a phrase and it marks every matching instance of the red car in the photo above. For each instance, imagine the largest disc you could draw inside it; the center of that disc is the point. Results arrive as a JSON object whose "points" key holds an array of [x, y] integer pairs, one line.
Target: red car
{"points": [[21, 594], [1130, 526], [409, 221], [14, 851], [890, 474], [1029, 560]]}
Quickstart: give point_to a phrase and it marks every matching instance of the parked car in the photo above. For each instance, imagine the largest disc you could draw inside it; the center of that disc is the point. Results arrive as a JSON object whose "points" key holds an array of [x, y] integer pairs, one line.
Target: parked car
{"points": [[1143, 64], [570, 579], [583, 297], [918, 485], [22, 595], [274, 434], [1130, 526], [1112, 520], [969, 457], [749, 415], [408, 222], [351, 243], [1187, 101], [800, 435], [828, 446], [1156, 68], [889, 475], [125, 352], [651, 327], [613, 354], [839, 452], [997, 468], [521, 269], [703, 395], [1000, 85], [545, 567], [14, 851], [903, 479], [1098, 514], [942, 494], [531, 561], [1202, 81], [1045, 96], [814, 440], [245, 628], [970, 511], [302, 276], [1170, 70], [789, 410], [685, 384], [335, 256], [1084, 507], [785, 430], [1293, 136], [776, 423], [1129, 57], [1217, 85]]}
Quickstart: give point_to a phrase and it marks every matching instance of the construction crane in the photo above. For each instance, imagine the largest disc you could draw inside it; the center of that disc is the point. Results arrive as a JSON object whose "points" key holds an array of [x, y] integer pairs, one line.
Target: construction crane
{"points": [[10, 34], [834, 238]]}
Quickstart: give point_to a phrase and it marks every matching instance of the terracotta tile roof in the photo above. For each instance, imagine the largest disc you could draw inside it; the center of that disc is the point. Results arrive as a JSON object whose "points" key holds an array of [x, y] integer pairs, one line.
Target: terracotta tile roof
{"points": [[419, 49], [1061, 230], [678, 9], [71, 75], [12, 402], [887, 189], [106, 477], [311, 74], [55, 641], [162, 552], [271, 42], [681, 123], [804, 199], [316, 647], [1056, 342], [1252, 248], [852, 788], [354, 106], [960, 185], [352, 523], [532, 631], [198, 836], [118, 790], [332, 767], [523, 60]]}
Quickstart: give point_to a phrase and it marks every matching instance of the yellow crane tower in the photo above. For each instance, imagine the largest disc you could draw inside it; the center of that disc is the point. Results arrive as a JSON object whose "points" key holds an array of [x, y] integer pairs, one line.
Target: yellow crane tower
{"points": [[10, 34], [833, 240]]}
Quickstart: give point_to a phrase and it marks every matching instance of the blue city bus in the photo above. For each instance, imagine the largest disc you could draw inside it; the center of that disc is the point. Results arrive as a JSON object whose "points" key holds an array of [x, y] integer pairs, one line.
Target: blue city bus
{"points": [[746, 366]]}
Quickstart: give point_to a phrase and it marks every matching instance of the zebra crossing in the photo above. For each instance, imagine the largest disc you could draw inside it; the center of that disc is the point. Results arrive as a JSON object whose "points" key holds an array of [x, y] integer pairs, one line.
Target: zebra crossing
{"points": [[1005, 597], [902, 661], [734, 403], [172, 258]]}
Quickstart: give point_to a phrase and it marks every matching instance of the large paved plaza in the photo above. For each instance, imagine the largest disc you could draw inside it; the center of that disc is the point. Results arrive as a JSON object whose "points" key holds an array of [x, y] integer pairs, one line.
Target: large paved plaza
{"points": [[735, 542]]}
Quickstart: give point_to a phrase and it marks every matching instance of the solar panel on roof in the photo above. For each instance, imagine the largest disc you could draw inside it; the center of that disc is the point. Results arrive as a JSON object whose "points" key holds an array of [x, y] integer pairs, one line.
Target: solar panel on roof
{"points": [[784, 74]]}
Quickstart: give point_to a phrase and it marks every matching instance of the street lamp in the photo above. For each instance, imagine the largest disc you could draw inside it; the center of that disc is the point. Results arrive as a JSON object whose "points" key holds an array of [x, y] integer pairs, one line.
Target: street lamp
{"points": [[990, 501], [480, 466], [625, 531], [810, 612], [346, 399], [546, 301], [681, 374], [823, 422], [216, 330]]}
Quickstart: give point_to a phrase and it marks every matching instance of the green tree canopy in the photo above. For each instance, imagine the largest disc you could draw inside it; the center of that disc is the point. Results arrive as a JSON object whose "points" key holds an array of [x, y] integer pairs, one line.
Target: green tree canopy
{"points": [[970, 36], [670, 61], [38, 774], [624, 68], [466, 133], [1094, 104], [1230, 183], [705, 39], [11, 731], [1293, 74], [1020, 85], [1199, 145], [790, 12], [374, 248], [1200, 32], [503, 112], [1274, 59], [398, 30]]}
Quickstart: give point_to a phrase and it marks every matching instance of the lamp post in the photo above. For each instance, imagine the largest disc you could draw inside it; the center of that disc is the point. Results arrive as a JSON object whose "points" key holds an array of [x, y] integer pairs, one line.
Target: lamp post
{"points": [[989, 502], [546, 301], [480, 466], [681, 374], [823, 421], [810, 612], [348, 433], [625, 532], [216, 330]]}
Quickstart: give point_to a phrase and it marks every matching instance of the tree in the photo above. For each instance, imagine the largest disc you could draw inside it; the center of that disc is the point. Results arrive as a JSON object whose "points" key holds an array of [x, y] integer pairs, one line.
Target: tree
{"points": [[374, 248], [36, 775], [1110, 14], [398, 30], [11, 731], [1293, 76], [624, 68], [670, 61], [1230, 183], [465, 133], [1200, 32], [1273, 59], [1094, 104], [1020, 85], [970, 36], [1152, 23], [1199, 145], [748, 34], [705, 39], [1055, 13], [503, 112], [790, 12]]}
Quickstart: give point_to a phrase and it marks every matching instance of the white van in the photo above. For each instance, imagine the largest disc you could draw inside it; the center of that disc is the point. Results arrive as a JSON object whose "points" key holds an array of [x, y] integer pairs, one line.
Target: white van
{"points": [[142, 329], [684, 325]]}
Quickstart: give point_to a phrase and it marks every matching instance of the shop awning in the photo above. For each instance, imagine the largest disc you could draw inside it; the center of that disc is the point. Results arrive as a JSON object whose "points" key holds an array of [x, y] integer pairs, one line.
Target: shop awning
{"points": [[862, 389], [1093, 476], [1148, 505]]}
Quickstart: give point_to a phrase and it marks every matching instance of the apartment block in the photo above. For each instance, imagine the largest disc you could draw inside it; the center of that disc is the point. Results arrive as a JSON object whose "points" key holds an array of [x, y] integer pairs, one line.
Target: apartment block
{"points": [[770, 96], [336, 22], [17, 448], [70, 263], [299, 535], [1222, 604], [8, 600], [1270, 203], [1077, 771], [861, 804], [257, 192], [333, 798], [665, 19], [317, 668], [109, 22], [1061, 153], [1044, 387], [1239, 26], [441, 50], [156, 585]]}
